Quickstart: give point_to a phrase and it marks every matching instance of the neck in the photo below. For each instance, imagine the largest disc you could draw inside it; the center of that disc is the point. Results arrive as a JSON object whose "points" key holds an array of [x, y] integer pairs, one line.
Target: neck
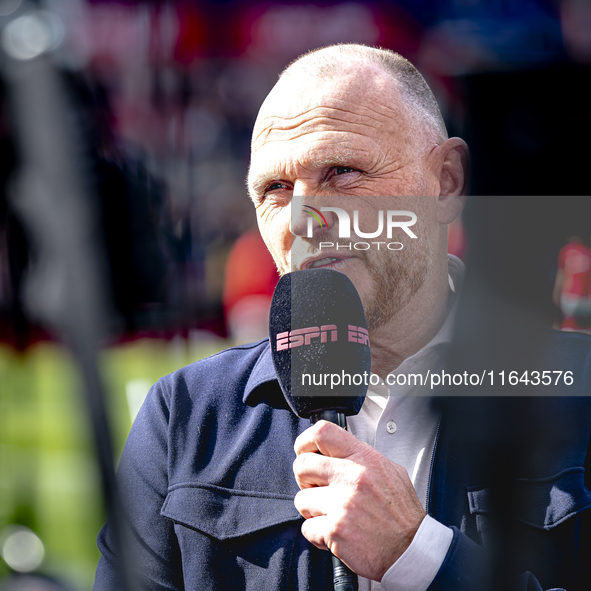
{"points": [[413, 326]]}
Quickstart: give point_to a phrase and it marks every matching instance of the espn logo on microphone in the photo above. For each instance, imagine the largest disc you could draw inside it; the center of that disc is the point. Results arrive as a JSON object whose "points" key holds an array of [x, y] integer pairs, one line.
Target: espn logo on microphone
{"points": [[304, 336], [357, 334]]}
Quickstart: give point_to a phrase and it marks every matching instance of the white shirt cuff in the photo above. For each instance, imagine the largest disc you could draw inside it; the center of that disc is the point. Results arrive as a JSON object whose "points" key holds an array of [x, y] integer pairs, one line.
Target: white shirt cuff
{"points": [[420, 563]]}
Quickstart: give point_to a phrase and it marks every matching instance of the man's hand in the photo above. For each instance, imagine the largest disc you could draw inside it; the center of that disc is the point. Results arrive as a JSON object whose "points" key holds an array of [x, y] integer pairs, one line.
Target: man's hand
{"points": [[357, 503]]}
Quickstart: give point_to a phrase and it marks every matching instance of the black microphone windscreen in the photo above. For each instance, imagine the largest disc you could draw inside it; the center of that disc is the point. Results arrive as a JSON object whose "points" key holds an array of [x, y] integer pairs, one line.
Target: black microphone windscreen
{"points": [[319, 342]]}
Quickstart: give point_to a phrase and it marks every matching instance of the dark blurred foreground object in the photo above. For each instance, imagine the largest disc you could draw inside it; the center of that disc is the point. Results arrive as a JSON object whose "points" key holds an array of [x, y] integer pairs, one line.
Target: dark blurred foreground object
{"points": [[52, 192], [527, 130], [532, 437], [132, 219], [130, 223], [518, 451]]}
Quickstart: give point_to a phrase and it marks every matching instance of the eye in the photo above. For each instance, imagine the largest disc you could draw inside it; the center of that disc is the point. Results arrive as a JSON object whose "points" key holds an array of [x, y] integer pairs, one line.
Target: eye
{"points": [[338, 170], [277, 186]]}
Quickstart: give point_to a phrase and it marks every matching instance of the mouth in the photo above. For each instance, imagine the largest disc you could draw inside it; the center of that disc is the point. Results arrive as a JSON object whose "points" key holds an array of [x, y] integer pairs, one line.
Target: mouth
{"points": [[330, 262], [323, 262]]}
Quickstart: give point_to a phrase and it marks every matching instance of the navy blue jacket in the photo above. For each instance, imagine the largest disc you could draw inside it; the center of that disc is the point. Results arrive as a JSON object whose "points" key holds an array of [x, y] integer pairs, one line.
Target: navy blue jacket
{"points": [[206, 476]]}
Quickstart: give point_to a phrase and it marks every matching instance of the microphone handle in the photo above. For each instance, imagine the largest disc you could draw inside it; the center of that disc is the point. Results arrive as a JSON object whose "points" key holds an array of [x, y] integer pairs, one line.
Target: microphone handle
{"points": [[343, 578]]}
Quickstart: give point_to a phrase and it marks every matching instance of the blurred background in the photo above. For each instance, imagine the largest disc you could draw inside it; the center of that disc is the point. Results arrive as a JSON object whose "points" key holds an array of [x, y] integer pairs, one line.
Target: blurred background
{"points": [[125, 223]]}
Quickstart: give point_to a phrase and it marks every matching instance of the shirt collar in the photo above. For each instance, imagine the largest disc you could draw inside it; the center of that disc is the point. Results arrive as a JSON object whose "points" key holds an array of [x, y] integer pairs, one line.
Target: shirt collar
{"points": [[263, 374], [456, 280]]}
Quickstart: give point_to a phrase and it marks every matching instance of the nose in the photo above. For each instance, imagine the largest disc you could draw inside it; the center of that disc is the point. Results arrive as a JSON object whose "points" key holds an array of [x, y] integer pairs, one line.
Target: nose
{"points": [[308, 219]]}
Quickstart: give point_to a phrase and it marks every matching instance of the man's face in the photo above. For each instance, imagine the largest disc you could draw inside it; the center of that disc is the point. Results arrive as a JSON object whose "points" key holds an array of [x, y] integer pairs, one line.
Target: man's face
{"points": [[344, 142]]}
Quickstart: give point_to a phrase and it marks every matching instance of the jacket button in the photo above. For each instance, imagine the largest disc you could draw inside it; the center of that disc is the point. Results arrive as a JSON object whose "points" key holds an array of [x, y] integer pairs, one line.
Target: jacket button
{"points": [[391, 427]]}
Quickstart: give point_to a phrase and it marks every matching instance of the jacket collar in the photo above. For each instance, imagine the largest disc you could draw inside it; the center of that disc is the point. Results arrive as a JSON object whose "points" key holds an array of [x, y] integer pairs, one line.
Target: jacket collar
{"points": [[262, 382]]}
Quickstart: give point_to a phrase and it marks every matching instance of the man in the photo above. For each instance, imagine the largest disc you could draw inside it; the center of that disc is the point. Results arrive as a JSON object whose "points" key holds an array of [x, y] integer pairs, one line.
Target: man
{"points": [[340, 129], [207, 471]]}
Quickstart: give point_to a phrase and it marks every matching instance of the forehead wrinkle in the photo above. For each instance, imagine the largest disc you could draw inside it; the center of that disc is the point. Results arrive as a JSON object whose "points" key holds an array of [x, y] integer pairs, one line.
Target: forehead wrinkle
{"points": [[355, 114], [317, 124], [311, 136], [315, 120], [325, 152], [349, 111]]}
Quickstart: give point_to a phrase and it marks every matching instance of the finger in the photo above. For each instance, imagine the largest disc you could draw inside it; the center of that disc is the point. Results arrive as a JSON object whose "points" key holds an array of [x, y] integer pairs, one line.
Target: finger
{"points": [[312, 469], [315, 502], [313, 530], [328, 439]]}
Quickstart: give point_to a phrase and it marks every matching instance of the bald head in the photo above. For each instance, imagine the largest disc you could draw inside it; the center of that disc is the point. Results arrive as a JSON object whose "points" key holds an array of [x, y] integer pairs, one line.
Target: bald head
{"points": [[415, 94]]}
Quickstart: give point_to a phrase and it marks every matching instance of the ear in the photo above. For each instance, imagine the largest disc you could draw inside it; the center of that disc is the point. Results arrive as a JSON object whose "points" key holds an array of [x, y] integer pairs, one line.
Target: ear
{"points": [[453, 159]]}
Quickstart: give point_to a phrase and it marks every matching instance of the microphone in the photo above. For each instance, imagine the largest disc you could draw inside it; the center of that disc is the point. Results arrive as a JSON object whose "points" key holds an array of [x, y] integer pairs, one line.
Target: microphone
{"points": [[320, 349], [320, 343]]}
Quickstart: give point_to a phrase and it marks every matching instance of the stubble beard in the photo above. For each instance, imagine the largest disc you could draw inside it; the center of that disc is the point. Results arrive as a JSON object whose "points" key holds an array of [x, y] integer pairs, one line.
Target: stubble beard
{"points": [[396, 276]]}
